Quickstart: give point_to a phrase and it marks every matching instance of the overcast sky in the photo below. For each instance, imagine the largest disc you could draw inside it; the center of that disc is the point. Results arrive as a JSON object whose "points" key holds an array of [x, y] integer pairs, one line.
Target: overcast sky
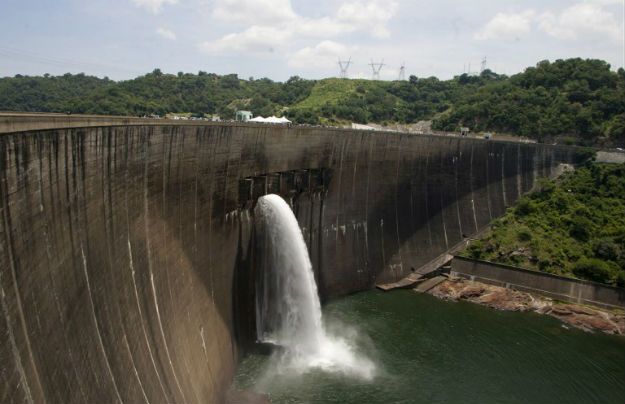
{"points": [[281, 38]]}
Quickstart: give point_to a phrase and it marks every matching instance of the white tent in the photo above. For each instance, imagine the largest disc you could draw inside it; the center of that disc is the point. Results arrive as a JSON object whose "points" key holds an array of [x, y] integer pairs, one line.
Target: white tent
{"points": [[271, 119], [362, 127]]}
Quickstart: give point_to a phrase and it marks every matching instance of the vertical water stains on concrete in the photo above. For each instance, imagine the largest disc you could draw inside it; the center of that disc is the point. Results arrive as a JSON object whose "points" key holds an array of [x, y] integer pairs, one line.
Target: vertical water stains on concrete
{"points": [[127, 252]]}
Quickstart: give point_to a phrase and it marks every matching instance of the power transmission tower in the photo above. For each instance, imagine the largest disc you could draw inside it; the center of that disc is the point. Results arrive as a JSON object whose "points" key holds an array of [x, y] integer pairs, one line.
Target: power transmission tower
{"points": [[483, 66], [344, 65], [375, 68], [402, 72]]}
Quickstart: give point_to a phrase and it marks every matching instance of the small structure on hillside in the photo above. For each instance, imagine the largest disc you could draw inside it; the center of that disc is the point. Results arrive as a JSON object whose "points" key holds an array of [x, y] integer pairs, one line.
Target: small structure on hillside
{"points": [[464, 131], [244, 116]]}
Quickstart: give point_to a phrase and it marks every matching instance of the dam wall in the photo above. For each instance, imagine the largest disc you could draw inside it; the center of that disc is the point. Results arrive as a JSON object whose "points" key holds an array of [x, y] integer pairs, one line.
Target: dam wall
{"points": [[127, 251]]}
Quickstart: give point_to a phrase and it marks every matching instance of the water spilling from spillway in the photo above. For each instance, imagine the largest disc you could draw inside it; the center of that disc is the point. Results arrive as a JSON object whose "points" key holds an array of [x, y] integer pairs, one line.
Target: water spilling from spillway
{"points": [[288, 311]]}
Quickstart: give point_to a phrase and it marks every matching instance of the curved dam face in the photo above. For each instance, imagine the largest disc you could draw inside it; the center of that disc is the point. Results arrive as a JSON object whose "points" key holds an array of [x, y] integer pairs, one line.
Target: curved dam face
{"points": [[127, 252]]}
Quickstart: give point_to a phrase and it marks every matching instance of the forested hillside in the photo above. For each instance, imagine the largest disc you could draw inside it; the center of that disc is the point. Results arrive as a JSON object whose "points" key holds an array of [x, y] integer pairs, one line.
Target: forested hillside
{"points": [[579, 98], [574, 97], [574, 226]]}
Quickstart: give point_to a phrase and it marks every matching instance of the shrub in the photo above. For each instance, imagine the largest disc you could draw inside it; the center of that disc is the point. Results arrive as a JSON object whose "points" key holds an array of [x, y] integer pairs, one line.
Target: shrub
{"points": [[585, 155], [524, 234], [580, 228], [620, 279], [475, 249], [562, 201], [593, 269], [569, 140], [515, 260], [606, 249], [525, 207], [544, 264], [543, 189]]}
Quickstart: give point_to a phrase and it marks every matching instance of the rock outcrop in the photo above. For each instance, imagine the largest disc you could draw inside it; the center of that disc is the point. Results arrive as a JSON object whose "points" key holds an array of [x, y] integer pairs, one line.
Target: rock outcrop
{"points": [[496, 297]]}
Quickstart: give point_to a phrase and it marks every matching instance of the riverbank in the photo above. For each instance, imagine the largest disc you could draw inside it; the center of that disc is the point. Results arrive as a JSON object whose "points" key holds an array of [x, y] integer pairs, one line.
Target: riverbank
{"points": [[580, 316]]}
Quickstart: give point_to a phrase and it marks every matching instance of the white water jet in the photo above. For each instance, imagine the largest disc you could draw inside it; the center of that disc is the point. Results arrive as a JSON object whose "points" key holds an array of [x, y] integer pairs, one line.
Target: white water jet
{"points": [[288, 311]]}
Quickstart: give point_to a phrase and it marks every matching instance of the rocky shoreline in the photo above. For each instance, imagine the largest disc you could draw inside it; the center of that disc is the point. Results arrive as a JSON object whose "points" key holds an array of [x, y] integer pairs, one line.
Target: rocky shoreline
{"points": [[579, 316]]}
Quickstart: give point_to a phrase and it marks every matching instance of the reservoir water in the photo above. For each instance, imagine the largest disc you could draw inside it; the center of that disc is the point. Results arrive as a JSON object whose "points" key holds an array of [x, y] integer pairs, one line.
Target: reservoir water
{"points": [[430, 351]]}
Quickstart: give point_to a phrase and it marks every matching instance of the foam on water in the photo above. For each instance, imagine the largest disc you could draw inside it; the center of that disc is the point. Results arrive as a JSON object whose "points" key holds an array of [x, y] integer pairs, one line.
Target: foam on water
{"points": [[288, 308]]}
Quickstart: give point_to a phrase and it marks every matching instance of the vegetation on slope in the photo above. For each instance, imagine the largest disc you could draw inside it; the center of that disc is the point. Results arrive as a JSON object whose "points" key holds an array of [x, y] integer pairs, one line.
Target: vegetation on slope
{"points": [[576, 97], [574, 226]]}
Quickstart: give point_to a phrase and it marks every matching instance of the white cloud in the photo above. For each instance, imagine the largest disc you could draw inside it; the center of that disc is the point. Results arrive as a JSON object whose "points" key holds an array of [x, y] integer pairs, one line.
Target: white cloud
{"points": [[259, 12], [605, 2], [583, 19], [153, 6], [506, 26], [166, 33], [323, 55], [320, 27], [273, 23], [372, 15], [257, 39]]}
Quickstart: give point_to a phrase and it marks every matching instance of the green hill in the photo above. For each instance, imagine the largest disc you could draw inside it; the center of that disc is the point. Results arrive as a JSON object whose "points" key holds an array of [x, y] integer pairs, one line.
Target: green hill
{"points": [[343, 100], [581, 99], [329, 91]]}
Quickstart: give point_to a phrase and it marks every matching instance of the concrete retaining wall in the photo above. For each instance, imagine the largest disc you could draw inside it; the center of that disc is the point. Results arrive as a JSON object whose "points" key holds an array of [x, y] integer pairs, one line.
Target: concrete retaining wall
{"points": [[126, 252], [610, 157], [557, 287]]}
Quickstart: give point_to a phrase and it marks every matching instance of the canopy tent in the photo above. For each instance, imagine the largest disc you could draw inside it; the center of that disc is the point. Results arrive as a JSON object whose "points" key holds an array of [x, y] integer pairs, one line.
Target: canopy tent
{"points": [[271, 119], [362, 127]]}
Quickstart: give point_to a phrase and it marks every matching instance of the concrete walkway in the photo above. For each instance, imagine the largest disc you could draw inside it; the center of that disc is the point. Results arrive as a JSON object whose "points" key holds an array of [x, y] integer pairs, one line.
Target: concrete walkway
{"points": [[405, 283], [430, 283]]}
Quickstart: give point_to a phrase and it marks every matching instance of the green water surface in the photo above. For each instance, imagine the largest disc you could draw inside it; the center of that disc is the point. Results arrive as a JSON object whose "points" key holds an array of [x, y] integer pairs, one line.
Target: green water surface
{"points": [[431, 351]]}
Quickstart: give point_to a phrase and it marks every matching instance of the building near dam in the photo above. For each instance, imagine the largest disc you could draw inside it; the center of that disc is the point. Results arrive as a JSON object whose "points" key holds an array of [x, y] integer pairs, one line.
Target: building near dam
{"points": [[127, 246]]}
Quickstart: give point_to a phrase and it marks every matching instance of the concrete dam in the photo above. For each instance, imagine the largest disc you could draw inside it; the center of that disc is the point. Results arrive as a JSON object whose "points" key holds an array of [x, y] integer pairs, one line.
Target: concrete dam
{"points": [[127, 247]]}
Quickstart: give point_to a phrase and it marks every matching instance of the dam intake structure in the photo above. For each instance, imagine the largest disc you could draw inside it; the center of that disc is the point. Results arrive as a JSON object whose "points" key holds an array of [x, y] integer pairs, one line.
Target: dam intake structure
{"points": [[127, 259], [288, 311]]}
